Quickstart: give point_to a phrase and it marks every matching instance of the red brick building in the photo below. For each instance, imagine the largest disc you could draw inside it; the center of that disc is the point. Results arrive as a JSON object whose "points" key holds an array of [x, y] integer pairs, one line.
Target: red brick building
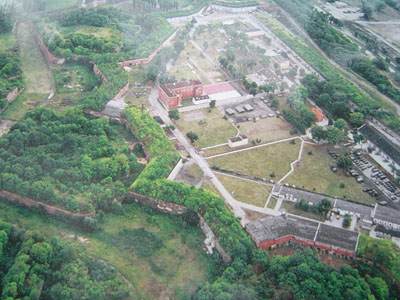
{"points": [[171, 94], [283, 230]]}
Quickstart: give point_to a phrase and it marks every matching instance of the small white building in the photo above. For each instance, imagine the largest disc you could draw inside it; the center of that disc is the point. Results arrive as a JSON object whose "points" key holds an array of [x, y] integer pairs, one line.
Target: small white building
{"points": [[201, 99], [238, 141], [283, 63]]}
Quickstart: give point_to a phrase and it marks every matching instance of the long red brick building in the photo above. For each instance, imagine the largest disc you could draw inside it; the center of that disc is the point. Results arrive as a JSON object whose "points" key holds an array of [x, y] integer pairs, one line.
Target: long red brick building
{"points": [[289, 229], [172, 94]]}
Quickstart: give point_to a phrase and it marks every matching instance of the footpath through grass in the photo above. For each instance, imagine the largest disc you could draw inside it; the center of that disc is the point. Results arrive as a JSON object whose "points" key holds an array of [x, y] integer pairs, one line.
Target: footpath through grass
{"points": [[262, 162]]}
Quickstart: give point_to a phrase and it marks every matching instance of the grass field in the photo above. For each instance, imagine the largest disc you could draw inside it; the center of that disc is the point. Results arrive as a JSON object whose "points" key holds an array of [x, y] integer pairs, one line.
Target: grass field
{"points": [[7, 41], [313, 172], [59, 4], [71, 78], [24, 102], [246, 191], [99, 32], [272, 202], [261, 161], [211, 127], [290, 208], [172, 271], [33, 63], [267, 130]]}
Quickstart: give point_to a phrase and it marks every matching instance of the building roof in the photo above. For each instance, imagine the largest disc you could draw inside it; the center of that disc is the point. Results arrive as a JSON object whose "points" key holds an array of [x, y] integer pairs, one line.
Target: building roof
{"points": [[381, 141], [363, 210], [337, 237], [280, 59], [387, 214], [290, 225], [281, 226], [203, 97], [217, 88], [319, 114], [168, 88]]}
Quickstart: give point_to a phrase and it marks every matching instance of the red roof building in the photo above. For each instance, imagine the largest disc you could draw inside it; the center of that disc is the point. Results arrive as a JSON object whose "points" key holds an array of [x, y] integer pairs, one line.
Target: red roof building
{"points": [[321, 119], [171, 94]]}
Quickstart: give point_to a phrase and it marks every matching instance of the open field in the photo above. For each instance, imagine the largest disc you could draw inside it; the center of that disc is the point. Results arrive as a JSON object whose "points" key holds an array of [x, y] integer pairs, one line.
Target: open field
{"points": [[272, 202], [72, 78], [267, 130], [33, 63], [173, 270], [246, 191], [290, 208], [313, 173], [25, 102], [211, 127], [99, 32], [389, 31], [261, 161], [7, 41], [59, 4]]}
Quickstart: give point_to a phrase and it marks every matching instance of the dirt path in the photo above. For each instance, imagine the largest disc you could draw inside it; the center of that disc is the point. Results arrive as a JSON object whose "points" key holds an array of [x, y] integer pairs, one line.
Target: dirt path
{"points": [[36, 71]]}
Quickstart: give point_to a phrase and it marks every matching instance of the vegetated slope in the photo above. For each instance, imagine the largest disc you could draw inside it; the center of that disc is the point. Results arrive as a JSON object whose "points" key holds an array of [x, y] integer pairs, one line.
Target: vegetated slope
{"points": [[32, 267], [67, 160]]}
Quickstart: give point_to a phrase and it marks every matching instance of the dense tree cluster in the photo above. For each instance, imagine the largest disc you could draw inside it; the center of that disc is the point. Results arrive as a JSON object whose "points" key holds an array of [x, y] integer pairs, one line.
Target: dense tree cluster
{"points": [[99, 17], [10, 75], [66, 160], [368, 69], [32, 267], [6, 18], [328, 38]]}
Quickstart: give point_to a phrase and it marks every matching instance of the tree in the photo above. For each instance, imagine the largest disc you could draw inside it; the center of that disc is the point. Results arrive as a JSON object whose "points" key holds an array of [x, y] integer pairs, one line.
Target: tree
{"points": [[345, 162], [340, 124], [318, 133], [367, 10], [192, 136], [346, 221], [212, 103], [334, 135], [173, 114], [356, 119]]}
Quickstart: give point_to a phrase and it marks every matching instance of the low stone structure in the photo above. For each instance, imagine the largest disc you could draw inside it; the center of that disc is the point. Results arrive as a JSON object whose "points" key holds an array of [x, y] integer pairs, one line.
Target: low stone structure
{"points": [[43, 48], [97, 71]]}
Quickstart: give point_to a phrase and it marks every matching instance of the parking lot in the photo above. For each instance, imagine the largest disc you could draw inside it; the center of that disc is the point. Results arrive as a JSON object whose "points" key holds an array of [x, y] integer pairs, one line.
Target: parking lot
{"points": [[249, 110]]}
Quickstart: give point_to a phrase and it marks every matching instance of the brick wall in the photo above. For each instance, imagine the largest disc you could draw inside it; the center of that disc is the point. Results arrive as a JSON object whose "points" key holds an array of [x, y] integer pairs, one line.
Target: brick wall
{"points": [[43, 48]]}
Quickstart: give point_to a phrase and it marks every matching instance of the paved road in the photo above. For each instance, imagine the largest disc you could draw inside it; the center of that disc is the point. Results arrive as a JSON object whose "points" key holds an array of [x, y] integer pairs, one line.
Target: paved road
{"points": [[236, 205]]}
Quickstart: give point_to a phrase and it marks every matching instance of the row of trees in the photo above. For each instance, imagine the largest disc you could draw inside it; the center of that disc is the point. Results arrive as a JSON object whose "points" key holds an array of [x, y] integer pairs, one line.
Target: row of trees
{"points": [[10, 75], [32, 267]]}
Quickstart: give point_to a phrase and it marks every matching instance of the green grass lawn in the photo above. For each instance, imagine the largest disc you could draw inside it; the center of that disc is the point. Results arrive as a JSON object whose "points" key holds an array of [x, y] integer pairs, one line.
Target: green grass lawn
{"points": [[175, 269], [33, 63], [313, 172], [59, 4], [99, 32], [261, 161], [7, 41], [272, 202], [211, 128], [72, 78], [246, 191], [290, 208]]}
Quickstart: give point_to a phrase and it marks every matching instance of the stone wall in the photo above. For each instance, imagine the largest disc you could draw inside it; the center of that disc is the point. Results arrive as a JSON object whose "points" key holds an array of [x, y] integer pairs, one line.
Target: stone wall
{"points": [[97, 71], [121, 92], [43, 48], [13, 94], [179, 210], [141, 61], [51, 210]]}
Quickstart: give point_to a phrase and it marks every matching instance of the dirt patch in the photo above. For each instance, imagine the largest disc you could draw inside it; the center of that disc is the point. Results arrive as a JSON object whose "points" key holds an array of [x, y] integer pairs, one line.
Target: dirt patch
{"points": [[389, 31], [254, 216], [5, 126], [194, 116]]}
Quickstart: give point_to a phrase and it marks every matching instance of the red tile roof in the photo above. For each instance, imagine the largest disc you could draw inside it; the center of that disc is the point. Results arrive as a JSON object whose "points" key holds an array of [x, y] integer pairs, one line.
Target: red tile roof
{"points": [[217, 88], [319, 115]]}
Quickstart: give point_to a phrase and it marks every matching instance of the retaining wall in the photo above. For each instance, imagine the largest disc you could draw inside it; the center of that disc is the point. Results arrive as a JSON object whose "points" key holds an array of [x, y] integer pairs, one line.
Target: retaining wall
{"points": [[51, 210], [43, 48], [97, 71], [121, 92]]}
